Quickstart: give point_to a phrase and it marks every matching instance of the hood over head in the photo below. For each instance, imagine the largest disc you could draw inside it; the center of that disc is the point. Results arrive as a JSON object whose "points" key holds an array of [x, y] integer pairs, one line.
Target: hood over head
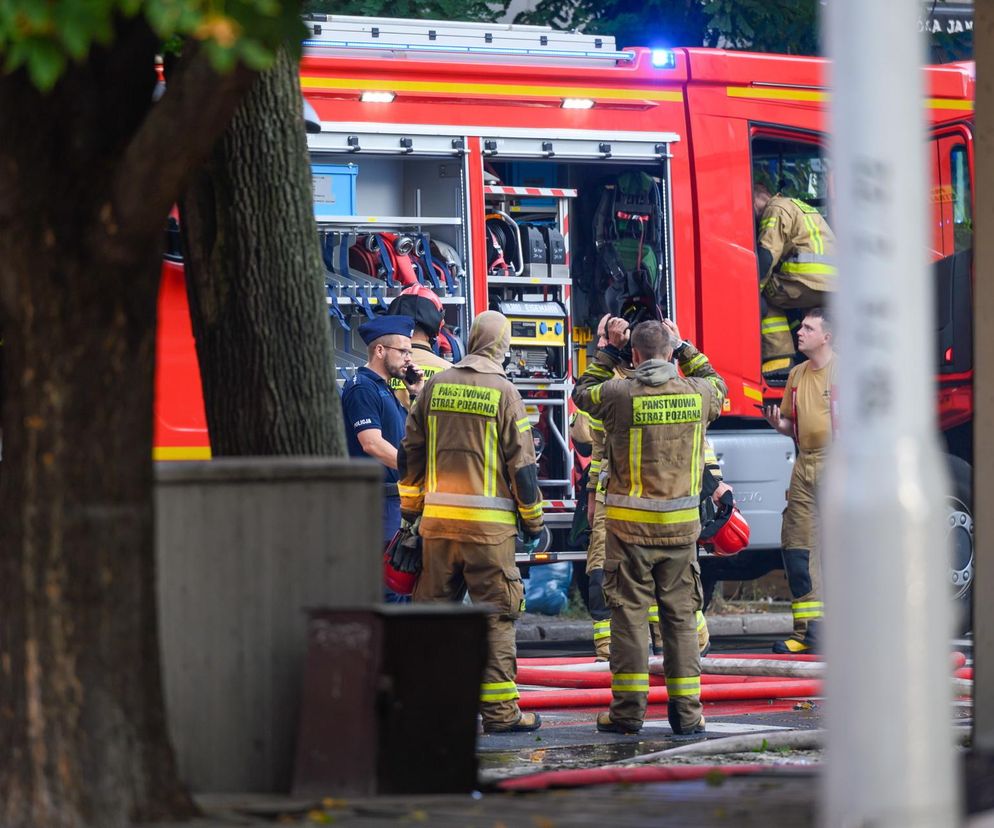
{"points": [[655, 372], [489, 340]]}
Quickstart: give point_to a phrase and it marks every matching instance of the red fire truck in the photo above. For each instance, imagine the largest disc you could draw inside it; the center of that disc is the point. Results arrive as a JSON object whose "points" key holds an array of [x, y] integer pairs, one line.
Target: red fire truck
{"points": [[479, 159]]}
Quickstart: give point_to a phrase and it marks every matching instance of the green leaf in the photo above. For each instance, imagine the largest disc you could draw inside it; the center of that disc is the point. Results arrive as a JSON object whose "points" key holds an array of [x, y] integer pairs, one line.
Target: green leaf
{"points": [[45, 63], [255, 55]]}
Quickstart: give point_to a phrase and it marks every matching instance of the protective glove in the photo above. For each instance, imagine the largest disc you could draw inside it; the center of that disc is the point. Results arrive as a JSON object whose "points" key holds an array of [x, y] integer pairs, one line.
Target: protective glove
{"points": [[531, 544]]}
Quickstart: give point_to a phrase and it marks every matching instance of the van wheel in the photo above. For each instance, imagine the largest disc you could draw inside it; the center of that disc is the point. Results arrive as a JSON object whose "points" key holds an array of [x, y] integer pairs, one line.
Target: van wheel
{"points": [[959, 528]]}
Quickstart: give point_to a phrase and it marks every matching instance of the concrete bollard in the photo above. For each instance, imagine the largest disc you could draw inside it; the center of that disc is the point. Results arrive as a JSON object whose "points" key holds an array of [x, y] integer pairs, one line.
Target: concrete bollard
{"points": [[244, 546]]}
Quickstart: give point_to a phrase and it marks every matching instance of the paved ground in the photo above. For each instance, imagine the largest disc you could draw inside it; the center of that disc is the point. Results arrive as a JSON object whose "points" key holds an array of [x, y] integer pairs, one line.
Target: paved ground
{"points": [[780, 788]]}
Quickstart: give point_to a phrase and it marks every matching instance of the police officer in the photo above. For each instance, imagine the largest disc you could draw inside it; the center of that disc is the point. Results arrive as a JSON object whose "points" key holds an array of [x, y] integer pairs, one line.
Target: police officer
{"points": [[468, 469], [654, 424], [374, 419], [422, 304], [796, 249], [806, 414]]}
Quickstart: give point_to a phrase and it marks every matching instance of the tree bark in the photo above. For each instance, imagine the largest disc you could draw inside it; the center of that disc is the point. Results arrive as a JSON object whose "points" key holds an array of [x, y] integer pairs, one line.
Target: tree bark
{"points": [[256, 285], [82, 724]]}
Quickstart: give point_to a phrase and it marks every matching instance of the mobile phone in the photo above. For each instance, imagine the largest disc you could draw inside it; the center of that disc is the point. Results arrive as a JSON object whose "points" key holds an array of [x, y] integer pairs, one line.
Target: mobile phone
{"points": [[411, 375]]}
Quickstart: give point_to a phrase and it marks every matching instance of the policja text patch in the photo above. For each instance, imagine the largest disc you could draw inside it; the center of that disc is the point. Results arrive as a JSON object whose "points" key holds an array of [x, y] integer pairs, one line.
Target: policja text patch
{"points": [[666, 409], [465, 399]]}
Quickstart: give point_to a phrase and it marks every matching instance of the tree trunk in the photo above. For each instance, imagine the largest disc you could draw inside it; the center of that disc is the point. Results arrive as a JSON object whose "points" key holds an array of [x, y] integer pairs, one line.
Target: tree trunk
{"points": [[256, 285], [87, 173]]}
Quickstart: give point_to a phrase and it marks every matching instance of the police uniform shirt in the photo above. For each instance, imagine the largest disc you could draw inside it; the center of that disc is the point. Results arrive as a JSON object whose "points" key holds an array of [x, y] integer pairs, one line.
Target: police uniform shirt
{"points": [[367, 402]]}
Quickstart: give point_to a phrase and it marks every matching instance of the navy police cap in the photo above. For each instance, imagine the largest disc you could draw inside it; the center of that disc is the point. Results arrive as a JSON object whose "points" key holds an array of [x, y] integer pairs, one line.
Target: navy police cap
{"points": [[386, 326]]}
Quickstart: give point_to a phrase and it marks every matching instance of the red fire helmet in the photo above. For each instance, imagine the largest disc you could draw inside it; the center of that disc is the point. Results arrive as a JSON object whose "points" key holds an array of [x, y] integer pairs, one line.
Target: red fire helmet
{"points": [[733, 535], [400, 582]]}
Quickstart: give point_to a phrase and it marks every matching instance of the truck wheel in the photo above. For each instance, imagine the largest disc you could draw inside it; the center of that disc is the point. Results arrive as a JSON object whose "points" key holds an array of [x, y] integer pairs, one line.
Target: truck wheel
{"points": [[959, 525]]}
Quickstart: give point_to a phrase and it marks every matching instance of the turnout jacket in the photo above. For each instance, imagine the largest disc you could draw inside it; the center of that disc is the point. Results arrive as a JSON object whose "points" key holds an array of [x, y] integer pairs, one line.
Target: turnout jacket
{"points": [[800, 242], [467, 461], [654, 425], [430, 364]]}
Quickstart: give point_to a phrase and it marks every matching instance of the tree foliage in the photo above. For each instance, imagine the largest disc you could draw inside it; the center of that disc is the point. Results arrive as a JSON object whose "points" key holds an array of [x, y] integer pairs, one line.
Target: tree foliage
{"points": [[424, 9], [44, 37]]}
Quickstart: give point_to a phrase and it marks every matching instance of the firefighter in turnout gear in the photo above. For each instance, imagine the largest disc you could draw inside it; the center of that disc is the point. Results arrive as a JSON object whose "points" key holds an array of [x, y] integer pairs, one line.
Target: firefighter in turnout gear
{"points": [[422, 304], [796, 250], [654, 425], [806, 413], [587, 429], [468, 470]]}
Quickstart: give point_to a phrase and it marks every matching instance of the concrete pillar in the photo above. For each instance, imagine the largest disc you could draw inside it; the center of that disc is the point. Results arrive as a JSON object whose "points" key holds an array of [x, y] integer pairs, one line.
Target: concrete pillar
{"points": [[983, 394], [244, 547]]}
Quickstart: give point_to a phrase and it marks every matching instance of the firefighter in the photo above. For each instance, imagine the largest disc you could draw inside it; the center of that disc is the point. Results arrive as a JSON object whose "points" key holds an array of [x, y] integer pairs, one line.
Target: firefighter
{"points": [[374, 420], [806, 413], [422, 304], [796, 250], [654, 424], [469, 472], [591, 430]]}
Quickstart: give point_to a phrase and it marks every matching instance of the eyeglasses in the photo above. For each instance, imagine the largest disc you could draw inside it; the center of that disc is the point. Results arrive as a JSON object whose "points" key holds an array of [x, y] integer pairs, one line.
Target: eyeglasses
{"points": [[405, 351]]}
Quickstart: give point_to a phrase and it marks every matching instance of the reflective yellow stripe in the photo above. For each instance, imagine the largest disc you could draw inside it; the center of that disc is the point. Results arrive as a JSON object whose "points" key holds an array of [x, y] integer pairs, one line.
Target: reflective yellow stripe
{"points": [[465, 513], [523, 424], [777, 364], [644, 516], [690, 686], [768, 222], [694, 363], [409, 491], [752, 393], [809, 268], [701, 621], [596, 370], [181, 453], [630, 682], [595, 466], [595, 424], [432, 448], [654, 614], [531, 511], [490, 459], [595, 395], [773, 324], [498, 691], [817, 242], [808, 609], [696, 473], [602, 629], [635, 461]]}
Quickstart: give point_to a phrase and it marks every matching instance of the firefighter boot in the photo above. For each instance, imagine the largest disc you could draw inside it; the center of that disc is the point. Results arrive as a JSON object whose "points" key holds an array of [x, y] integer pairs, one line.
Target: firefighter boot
{"points": [[526, 723], [806, 607], [605, 724], [678, 730]]}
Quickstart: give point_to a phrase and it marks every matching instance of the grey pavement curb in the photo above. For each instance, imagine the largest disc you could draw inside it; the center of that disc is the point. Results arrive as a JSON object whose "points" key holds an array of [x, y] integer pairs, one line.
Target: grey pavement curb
{"points": [[541, 628]]}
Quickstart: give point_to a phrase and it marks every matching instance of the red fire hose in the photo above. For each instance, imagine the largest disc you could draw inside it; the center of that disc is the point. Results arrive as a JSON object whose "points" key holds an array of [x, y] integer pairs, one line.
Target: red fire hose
{"points": [[566, 678], [576, 777], [789, 689]]}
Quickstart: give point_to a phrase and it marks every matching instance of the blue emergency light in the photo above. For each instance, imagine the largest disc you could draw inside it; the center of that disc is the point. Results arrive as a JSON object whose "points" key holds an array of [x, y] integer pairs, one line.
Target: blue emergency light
{"points": [[664, 58]]}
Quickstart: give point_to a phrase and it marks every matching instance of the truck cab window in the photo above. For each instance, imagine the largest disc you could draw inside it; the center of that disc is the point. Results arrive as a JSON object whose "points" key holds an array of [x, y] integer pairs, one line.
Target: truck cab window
{"points": [[962, 198], [796, 169]]}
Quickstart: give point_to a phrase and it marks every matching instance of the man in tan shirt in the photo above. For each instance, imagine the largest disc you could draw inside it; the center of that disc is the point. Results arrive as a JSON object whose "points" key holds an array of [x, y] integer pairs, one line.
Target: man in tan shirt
{"points": [[806, 413]]}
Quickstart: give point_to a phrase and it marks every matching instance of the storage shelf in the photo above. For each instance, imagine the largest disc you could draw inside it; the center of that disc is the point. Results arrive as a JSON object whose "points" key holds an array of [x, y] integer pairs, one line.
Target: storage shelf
{"points": [[374, 301], [388, 221], [529, 281]]}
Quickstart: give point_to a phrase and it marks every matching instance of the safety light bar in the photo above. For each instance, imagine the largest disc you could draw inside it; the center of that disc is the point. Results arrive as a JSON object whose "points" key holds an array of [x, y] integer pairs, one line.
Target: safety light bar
{"points": [[664, 58], [377, 96], [577, 103]]}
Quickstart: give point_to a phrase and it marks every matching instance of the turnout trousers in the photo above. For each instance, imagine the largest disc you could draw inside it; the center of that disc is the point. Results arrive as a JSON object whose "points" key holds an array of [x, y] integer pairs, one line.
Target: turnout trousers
{"points": [[777, 340], [490, 575], [800, 542], [635, 577]]}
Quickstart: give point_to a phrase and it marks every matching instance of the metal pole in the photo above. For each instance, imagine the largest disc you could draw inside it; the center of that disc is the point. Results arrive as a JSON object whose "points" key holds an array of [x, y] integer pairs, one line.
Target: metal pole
{"points": [[890, 742]]}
